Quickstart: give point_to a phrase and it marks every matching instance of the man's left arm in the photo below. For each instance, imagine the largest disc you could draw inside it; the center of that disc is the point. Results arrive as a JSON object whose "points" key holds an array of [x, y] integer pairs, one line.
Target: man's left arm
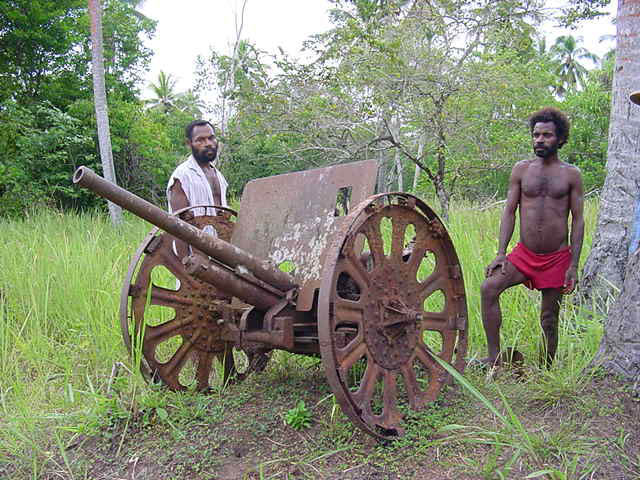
{"points": [[576, 206]]}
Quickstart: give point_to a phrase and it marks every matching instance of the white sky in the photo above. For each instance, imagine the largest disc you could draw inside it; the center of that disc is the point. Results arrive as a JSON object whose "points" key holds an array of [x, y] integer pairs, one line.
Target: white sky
{"points": [[188, 28]]}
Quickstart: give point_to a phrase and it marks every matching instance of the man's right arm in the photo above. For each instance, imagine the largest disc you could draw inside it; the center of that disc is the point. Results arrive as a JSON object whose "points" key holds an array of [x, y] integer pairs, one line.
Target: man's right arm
{"points": [[178, 200], [508, 219]]}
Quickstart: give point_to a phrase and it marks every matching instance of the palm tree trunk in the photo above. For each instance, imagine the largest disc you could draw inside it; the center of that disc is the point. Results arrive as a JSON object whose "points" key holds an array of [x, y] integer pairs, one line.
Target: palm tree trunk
{"points": [[100, 102], [605, 266], [610, 259]]}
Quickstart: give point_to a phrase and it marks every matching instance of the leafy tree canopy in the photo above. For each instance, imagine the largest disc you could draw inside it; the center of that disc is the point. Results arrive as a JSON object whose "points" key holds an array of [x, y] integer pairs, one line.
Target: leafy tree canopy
{"points": [[45, 52]]}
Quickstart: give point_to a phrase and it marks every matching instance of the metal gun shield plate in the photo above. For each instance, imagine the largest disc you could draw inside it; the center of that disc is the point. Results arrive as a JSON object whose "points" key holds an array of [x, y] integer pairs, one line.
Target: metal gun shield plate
{"points": [[392, 297], [293, 218]]}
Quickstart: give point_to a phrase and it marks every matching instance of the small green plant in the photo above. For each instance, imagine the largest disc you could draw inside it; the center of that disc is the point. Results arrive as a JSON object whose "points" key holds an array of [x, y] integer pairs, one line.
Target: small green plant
{"points": [[298, 417]]}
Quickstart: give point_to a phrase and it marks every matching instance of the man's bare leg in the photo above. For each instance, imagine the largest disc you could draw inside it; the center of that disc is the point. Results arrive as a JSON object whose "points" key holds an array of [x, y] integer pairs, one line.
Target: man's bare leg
{"points": [[496, 283], [549, 312]]}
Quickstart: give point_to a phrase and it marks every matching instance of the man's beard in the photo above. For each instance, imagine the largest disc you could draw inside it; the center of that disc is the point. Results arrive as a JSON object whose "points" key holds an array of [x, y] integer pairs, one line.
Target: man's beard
{"points": [[545, 152], [203, 156]]}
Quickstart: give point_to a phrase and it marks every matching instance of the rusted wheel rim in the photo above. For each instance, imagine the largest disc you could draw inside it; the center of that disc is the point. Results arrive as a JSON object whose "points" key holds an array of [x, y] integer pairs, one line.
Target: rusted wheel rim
{"points": [[166, 317], [386, 307]]}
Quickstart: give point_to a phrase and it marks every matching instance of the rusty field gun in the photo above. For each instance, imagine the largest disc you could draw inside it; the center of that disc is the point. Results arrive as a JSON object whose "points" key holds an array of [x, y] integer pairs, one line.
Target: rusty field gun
{"points": [[374, 287]]}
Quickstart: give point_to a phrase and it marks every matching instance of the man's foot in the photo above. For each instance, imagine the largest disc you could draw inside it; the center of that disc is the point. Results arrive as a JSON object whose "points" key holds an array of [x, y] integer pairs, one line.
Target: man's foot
{"points": [[508, 358], [512, 356], [484, 364]]}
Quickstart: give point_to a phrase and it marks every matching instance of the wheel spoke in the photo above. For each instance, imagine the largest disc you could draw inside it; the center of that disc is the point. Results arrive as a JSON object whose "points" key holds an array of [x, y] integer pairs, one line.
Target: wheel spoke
{"points": [[354, 268], [205, 361], [399, 227], [168, 298], [374, 238], [228, 363], [391, 416], [160, 333], [179, 358], [417, 254], [436, 373], [423, 354], [364, 395], [350, 354], [434, 321], [413, 389], [346, 311], [432, 283], [175, 266]]}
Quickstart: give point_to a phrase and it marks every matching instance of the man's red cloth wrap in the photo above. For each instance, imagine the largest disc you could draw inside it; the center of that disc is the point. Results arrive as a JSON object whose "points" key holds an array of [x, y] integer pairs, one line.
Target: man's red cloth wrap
{"points": [[543, 270]]}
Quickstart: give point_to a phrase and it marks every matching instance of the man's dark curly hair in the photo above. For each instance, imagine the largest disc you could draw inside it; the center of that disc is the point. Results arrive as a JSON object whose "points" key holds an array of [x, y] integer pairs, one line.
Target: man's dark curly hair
{"points": [[188, 131], [552, 114]]}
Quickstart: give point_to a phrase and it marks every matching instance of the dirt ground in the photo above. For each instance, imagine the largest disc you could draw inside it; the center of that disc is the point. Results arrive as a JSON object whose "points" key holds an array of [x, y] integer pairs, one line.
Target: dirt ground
{"points": [[240, 434]]}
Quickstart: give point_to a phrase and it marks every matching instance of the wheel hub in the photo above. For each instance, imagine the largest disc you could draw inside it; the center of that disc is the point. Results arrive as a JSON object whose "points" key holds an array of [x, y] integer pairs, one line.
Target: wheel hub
{"points": [[392, 330], [206, 321]]}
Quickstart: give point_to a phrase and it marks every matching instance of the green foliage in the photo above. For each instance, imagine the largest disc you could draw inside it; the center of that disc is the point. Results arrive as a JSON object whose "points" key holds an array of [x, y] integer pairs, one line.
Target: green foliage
{"points": [[41, 146], [37, 48], [579, 10], [298, 417], [126, 56], [46, 106], [589, 112], [144, 152], [44, 52], [535, 448], [567, 56]]}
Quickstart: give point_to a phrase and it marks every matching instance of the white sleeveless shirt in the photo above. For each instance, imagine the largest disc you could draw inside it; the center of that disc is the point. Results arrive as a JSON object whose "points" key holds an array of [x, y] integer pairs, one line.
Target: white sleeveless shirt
{"points": [[196, 186]]}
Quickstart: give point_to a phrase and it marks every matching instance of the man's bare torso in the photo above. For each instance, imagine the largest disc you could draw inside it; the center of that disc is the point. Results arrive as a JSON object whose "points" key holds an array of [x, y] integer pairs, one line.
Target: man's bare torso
{"points": [[214, 183], [544, 204]]}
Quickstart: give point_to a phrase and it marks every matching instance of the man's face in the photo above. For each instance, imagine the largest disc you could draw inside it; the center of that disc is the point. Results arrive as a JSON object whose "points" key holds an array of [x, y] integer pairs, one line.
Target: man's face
{"points": [[203, 143], [544, 139]]}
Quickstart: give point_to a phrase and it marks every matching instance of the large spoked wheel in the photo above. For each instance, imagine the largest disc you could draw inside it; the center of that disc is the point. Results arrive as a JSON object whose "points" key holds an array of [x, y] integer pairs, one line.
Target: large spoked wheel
{"points": [[392, 297], [169, 320]]}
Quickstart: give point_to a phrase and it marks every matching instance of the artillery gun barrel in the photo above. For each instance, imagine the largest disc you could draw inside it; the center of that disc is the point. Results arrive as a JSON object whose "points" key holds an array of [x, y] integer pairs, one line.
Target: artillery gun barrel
{"points": [[222, 251], [227, 281]]}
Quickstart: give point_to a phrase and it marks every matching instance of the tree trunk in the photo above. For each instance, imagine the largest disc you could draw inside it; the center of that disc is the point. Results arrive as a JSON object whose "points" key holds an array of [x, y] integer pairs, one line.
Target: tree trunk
{"points": [[416, 173], [620, 346], [443, 197], [100, 102], [615, 256], [381, 184], [605, 267], [441, 188], [397, 154], [230, 81]]}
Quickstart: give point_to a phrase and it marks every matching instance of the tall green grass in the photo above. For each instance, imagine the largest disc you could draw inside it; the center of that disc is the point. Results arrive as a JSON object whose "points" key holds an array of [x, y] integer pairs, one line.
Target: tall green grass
{"points": [[60, 333]]}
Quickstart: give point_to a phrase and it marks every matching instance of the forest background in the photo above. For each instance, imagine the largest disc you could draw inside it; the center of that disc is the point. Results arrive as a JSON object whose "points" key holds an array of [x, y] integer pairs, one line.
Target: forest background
{"points": [[438, 92]]}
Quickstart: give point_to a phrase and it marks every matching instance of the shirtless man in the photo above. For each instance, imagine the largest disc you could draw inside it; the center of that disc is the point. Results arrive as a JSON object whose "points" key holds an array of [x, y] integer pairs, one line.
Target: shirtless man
{"points": [[545, 190], [197, 181]]}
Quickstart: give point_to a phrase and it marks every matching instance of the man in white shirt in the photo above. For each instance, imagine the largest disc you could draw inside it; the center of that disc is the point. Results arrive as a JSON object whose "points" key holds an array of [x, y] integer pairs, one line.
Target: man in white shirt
{"points": [[197, 181]]}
